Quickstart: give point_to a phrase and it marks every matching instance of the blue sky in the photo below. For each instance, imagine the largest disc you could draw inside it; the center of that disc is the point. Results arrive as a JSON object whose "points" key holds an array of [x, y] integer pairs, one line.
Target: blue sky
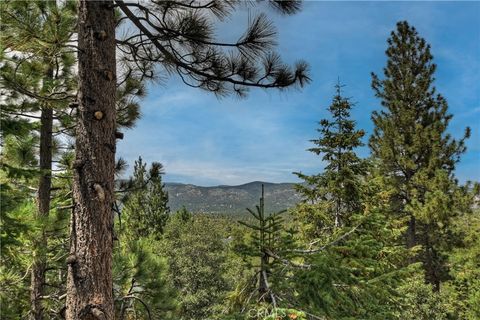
{"points": [[206, 141]]}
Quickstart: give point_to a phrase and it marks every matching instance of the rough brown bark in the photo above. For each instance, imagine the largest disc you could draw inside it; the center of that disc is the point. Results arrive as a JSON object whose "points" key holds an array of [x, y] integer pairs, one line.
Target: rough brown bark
{"points": [[43, 208], [89, 282]]}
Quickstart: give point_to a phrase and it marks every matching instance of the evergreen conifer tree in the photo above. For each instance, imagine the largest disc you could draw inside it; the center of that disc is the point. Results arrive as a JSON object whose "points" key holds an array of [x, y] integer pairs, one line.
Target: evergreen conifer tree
{"points": [[417, 155], [265, 239], [142, 289], [338, 189], [196, 255], [145, 207], [38, 81], [356, 271], [266, 291], [37, 74]]}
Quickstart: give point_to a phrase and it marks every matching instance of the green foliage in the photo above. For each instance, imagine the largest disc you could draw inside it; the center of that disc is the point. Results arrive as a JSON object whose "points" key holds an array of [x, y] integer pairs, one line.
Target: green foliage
{"points": [[354, 258], [465, 267], [37, 66], [11, 228], [343, 255], [174, 31], [37, 81], [337, 189], [145, 207], [20, 232], [141, 286], [16, 224], [356, 271], [196, 255], [416, 154], [418, 301], [267, 240], [43, 26]]}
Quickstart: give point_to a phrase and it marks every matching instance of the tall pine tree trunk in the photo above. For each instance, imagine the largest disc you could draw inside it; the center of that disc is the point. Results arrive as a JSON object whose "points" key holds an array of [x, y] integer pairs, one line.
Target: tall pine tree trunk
{"points": [[43, 208], [89, 283]]}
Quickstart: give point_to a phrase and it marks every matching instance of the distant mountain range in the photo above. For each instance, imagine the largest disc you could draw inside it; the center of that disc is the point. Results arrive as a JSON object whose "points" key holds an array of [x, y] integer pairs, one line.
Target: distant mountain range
{"points": [[231, 199]]}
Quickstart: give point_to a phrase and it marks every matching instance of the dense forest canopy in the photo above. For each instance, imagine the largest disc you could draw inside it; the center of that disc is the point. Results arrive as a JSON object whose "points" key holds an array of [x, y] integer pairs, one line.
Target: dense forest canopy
{"points": [[393, 235]]}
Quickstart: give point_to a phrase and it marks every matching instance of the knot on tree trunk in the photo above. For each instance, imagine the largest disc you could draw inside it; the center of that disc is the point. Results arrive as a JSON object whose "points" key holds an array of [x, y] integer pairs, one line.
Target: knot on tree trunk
{"points": [[78, 164], [100, 192], [98, 314], [98, 115], [108, 75], [71, 259], [93, 312], [101, 35]]}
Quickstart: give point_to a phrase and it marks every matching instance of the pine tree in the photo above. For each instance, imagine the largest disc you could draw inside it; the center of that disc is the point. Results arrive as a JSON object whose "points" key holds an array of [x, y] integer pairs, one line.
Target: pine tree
{"points": [[178, 37], [37, 75], [27, 229], [337, 189], [14, 293], [39, 86], [145, 207], [464, 259], [196, 256], [417, 155], [141, 288]]}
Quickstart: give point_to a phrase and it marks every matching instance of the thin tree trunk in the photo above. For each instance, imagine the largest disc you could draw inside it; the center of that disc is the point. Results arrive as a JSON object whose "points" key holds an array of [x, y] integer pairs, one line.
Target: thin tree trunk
{"points": [[43, 208], [263, 281], [89, 281]]}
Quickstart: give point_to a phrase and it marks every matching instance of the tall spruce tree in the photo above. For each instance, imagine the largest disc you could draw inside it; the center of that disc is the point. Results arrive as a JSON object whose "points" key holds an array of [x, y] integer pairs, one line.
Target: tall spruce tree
{"points": [[179, 37], [337, 189], [417, 155]]}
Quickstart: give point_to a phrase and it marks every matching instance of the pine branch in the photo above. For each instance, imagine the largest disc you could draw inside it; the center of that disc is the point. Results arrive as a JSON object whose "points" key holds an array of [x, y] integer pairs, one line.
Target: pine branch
{"points": [[208, 78], [310, 251], [286, 261]]}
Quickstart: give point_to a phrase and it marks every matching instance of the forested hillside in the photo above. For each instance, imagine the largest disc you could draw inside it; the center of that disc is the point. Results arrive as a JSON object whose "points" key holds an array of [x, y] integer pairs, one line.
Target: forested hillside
{"points": [[393, 234], [230, 199]]}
